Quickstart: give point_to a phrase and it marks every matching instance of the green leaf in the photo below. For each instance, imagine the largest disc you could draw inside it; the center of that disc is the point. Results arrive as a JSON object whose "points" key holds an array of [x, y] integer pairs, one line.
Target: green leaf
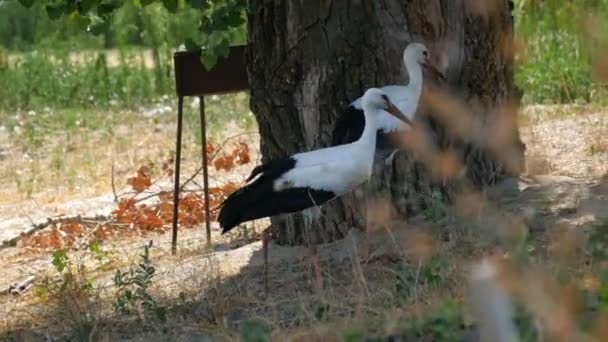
{"points": [[191, 45], [79, 20], [171, 5], [198, 4], [84, 6], [208, 59], [206, 24], [98, 28], [235, 18], [255, 331], [60, 260], [145, 3], [223, 48], [55, 11], [353, 335], [161, 312], [106, 9], [27, 3]]}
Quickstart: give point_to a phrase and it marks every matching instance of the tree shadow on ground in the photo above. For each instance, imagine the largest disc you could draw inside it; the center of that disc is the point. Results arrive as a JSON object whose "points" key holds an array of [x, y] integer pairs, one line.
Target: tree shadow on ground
{"points": [[222, 295]]}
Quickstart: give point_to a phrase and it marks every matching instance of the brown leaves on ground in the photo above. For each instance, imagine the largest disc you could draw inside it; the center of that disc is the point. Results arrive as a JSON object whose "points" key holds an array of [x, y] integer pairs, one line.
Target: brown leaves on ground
{"points": [[130, 218], [238, 156], [70, 233], [142, 180], [158, 217], [134, 218]]}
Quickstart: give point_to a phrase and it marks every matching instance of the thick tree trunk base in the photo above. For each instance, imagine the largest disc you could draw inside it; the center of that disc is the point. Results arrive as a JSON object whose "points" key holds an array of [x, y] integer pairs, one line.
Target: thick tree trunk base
{"points": [[309, 59]]}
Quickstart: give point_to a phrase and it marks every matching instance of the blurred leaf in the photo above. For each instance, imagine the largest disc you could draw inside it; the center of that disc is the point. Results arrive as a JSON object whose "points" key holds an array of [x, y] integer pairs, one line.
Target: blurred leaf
{"points": [[84, 6], [145, 3], [597, 245], [171, 5], [206, 24], [27, 3], [55, 11], [79, 20], [191, 45], [106, 9], [223, 48], [208, 59], [235, 18], [198, 4], [98, 28]]}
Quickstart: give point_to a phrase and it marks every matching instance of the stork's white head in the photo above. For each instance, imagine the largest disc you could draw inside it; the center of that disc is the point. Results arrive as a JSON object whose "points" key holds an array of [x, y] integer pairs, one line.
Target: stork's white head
{"points": [[375, 101], [416, 53]]}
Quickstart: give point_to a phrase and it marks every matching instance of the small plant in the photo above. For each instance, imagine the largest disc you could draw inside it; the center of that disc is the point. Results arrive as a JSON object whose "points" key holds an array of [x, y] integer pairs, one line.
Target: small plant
{"points": [[60, 260], [430, 274], [354, 334], [437, 210], [322, 311], [444, 324], [597, 250], [597, 243], [255, 331], [133, 285], [525, 323], [74, 298]]}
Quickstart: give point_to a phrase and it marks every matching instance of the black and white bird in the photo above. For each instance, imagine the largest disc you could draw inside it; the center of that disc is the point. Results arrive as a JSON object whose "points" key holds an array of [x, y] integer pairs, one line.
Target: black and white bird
{"points": [[304, 181], [350, 123]]}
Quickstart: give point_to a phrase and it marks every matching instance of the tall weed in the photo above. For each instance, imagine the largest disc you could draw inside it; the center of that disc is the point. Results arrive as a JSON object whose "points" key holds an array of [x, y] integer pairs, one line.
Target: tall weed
{"points": [[561, 39]]}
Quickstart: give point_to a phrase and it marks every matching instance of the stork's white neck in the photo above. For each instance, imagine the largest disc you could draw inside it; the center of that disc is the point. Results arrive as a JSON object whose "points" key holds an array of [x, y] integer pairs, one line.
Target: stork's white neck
{"points": [[368, 137], [414, 70], [366, 145]]}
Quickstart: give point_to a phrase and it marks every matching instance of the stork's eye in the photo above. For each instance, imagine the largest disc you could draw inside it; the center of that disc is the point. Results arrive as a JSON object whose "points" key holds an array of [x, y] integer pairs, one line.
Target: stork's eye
{"points": [[385, 98], [425, 53]]}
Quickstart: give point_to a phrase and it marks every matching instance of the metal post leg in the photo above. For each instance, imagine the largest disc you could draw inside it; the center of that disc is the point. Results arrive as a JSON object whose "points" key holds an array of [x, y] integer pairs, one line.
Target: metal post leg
{"points": [[178, 158], [205, 170]]}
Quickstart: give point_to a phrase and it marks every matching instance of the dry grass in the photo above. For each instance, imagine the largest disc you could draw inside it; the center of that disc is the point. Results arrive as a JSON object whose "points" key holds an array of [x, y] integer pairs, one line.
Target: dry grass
{"points": [[573, 145], [75, 166], [416, 266], [81, 164]]}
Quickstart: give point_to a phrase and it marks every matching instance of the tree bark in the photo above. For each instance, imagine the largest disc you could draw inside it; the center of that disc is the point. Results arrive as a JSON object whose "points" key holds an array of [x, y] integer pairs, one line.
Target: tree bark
{"points": [[308, 59]]}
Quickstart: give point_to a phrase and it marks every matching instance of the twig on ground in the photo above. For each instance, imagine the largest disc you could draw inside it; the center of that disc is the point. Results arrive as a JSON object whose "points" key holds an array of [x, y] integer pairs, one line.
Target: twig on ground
{"points": [[84, 242], [113, 186], [219, 149], [20, 287]]}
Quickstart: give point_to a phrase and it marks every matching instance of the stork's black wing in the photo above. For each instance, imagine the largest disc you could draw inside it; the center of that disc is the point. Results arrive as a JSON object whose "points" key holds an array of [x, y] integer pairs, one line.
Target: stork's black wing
{"points": [[349, 126]]}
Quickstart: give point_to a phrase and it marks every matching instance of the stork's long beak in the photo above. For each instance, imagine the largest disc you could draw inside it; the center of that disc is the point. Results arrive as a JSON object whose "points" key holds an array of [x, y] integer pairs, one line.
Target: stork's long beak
{"points": [[429, 66], [394, 111]]}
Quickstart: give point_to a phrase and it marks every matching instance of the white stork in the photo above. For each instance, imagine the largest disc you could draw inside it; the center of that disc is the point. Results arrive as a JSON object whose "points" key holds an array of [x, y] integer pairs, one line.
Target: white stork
{"points": [[306, 180], [351, 121]]}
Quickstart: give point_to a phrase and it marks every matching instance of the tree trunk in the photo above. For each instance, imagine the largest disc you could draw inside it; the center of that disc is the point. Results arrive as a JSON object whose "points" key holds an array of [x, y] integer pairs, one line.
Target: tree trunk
{"points": [[307, 60]]}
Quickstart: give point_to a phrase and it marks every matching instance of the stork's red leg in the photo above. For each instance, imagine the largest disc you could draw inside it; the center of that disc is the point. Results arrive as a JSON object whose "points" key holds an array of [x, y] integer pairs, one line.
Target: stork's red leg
{"points": [[265, 238], [316, 268], [366, 247]]}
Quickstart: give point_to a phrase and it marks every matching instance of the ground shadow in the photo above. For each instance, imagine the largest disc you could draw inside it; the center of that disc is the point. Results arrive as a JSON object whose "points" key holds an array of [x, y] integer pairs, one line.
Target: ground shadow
{"points": [[233, 301]]}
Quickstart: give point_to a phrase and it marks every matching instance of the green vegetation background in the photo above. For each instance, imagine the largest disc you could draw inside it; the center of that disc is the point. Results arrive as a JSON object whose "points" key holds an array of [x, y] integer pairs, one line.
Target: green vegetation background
{"points": [[48, 63]]}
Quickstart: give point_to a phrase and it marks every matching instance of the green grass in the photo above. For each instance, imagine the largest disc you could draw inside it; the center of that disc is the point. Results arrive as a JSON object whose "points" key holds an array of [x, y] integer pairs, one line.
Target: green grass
{"points": [[39, 71], [561, 43], [41, 79]]}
